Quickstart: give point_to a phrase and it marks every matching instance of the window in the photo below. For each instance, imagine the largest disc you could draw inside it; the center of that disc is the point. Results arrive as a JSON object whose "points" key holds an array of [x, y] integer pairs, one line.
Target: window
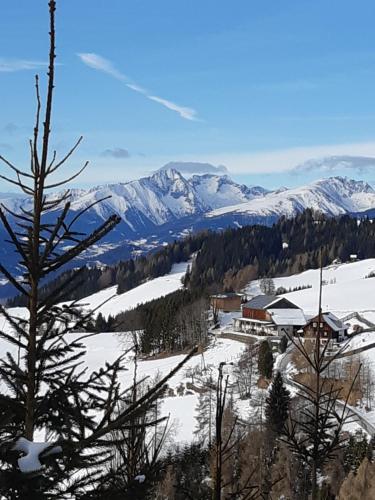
{"points": [[315, 324]]}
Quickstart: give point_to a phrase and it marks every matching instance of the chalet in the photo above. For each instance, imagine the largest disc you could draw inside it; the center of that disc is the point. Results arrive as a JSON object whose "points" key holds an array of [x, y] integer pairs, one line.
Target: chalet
{"points": [[270, 315], [227, 302], [330, 327]]}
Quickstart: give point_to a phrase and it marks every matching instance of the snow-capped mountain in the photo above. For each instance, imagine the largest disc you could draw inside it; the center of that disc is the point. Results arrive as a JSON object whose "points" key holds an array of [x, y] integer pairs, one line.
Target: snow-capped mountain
{"points": [[333, 196], [152, 210], [164, 197], [167, 205]]}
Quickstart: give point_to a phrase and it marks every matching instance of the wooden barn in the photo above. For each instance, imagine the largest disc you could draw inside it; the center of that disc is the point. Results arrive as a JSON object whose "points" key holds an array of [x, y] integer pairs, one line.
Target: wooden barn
{"points": [[330, 326], [270, 315], [227, 302]]}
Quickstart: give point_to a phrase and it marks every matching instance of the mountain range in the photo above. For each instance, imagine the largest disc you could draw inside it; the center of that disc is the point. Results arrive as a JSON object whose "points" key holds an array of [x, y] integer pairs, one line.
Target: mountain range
{"points": [[168, 204]]}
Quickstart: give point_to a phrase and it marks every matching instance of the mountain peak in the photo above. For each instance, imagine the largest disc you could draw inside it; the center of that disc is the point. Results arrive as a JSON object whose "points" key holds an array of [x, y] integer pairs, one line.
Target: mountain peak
{"points": [[346, 185], [167, 173]]}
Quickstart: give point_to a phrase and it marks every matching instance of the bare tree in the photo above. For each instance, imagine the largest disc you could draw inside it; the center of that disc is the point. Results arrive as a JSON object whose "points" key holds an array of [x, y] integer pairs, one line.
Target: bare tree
{"points": [[244, 371], [267, 286]]}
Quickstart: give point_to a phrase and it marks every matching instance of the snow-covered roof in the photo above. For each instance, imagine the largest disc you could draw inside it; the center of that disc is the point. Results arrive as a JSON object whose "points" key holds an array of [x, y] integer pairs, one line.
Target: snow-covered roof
{"points": [[261, 301], [292, 317], [228, 295], [251, 320], [334, 322]]}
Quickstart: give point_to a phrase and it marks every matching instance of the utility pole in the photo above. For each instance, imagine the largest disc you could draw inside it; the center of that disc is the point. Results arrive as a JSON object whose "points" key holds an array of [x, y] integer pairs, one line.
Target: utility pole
{"points": [[314, 472], [221, 393]]}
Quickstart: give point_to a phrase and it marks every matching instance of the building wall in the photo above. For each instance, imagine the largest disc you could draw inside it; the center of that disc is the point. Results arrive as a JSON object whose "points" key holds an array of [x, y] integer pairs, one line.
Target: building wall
{"points": [[326, 331], [259, 314], [226, 304], [254, 328]]}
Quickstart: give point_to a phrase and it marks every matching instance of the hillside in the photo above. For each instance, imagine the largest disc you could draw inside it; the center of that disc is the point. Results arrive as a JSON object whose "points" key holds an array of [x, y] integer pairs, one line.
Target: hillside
{"points": [[168, 205], [333, 196], [346, 288]]}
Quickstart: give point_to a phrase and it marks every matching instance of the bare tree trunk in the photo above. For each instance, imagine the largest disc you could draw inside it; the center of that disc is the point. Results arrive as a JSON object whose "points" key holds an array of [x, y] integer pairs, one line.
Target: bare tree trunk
{"points": [[34, 238]]}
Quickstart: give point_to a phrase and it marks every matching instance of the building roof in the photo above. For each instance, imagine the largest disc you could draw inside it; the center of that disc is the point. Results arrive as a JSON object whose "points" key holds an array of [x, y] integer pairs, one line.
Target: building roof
{"points": [[251, 320], [332, 321], [261, 301], [287, 317], [227, 295]]}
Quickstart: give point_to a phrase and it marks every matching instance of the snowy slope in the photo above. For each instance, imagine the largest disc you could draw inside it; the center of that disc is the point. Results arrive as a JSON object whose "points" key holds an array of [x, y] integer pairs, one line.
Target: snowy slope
{"points": [[181, 409], [333, 196], [218, 191], [347, 290], [153, 289], [107, 347]]}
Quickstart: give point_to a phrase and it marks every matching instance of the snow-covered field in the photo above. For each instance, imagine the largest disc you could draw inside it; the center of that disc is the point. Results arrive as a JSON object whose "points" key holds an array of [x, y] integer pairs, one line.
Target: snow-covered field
{"points": [[108, 346], [153, 289], [181, 408], [347, 290]]}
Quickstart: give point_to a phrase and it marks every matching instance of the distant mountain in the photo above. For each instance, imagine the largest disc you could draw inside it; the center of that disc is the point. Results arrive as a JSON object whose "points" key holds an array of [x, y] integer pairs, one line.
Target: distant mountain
{"points": [[152, 210], [168, 205], [333, 196], [164, 197]]}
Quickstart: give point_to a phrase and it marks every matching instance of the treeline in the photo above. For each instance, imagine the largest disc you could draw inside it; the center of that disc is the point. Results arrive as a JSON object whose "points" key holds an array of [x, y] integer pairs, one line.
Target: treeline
{"points": [[229, 259], [260, 250], [125, 274], [168, 324]]}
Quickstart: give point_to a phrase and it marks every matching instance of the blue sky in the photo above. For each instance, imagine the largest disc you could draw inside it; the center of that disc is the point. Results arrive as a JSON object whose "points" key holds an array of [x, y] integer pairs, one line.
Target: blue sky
{"points": [[257, 86]]}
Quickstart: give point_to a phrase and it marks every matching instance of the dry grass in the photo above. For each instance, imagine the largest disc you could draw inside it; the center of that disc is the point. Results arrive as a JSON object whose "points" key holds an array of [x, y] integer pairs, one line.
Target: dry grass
{"points": [[263, 382], [342, 385]]}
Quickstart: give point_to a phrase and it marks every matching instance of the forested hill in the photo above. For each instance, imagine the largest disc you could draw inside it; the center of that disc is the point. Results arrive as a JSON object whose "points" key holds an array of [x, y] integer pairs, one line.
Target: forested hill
{"points": [[231, 258], [235, 256], [125, 274]]}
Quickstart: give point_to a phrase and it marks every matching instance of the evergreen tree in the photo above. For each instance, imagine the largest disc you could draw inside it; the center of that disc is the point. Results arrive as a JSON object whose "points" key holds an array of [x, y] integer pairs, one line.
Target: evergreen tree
{"points": [[277, 404], [283, 344], [45, 389], [356, 450], [265, 359]]}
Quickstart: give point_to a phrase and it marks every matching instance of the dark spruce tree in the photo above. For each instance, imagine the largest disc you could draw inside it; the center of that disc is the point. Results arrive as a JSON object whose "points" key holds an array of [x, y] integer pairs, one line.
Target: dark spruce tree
{"points": [[265, 359], [45, 389], [283, 344], [277, 405]]}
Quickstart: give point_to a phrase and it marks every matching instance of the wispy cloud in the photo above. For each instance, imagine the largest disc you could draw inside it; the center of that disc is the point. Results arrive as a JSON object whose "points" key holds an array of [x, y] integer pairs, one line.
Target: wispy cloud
{"points": [[11, 65], [285, 160], [194, 167], [99, 63], [118, 153], [329, 164]]}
